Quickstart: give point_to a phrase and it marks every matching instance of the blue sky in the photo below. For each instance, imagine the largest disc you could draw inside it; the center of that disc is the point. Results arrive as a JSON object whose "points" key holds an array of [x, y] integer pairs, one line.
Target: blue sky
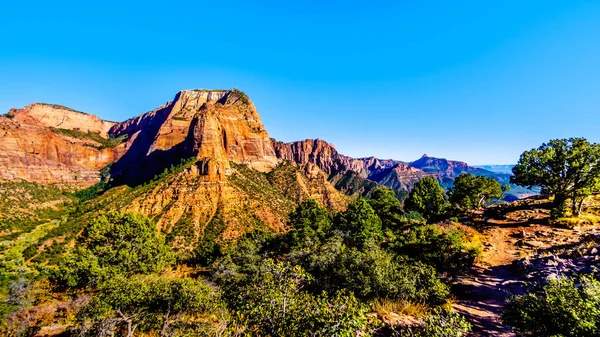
{"points": [[478, 81]]}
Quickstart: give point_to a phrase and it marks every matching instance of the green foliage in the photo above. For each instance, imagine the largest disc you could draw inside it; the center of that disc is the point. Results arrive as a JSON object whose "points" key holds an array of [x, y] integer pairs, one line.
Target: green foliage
{"points": [[374, 273], [360, 223], [277, 306], [441, 323], [428, 198], [112, 244], [448, 250], [470, 192], [564, 168], [563, 307], [387, 207], [8, 115], [104, 143], [310, 223], [26, 205], [209, 249], [147, 303]]}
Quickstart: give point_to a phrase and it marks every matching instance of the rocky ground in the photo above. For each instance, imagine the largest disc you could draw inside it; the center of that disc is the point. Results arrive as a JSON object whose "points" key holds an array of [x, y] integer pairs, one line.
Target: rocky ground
{"points": [[521, 248]]}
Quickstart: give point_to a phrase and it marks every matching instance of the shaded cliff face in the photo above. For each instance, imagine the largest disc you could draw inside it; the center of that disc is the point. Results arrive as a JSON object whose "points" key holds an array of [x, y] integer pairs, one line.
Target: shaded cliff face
{"points": [[31, 150]]}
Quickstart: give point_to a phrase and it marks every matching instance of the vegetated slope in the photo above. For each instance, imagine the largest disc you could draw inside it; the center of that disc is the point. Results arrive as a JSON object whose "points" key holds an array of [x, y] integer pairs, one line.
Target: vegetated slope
{"points": [[24, 205], [191, 206]]}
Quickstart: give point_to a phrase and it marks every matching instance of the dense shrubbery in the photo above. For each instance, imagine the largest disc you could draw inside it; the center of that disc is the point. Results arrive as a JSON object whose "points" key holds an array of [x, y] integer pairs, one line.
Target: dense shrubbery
{"points": [[318, 279], [344, 257], [563, 307], [115, 244]]}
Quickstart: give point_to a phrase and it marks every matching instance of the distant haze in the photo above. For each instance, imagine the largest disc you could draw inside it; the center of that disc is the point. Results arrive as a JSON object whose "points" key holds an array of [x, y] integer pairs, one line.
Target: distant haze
{"points": [[497, 168]]}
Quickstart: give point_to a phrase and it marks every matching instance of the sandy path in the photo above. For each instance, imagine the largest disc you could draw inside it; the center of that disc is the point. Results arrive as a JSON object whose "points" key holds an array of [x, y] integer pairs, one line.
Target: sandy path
{"points": [[489, 285]]}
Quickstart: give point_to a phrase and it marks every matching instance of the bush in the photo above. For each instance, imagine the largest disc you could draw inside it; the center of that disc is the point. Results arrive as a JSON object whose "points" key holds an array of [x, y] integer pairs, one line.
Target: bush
{"points": [[428, 198], [374, 273], [441, 323], [450, 250], [276, 305], [563, 307], [115, 243]]}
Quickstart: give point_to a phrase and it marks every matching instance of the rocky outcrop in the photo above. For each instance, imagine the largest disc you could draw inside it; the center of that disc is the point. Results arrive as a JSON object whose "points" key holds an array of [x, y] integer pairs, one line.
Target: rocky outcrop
{"points": [[391, 173], [215, 126], [61, 117], [401, 176], [31, 151], [440, 166]]}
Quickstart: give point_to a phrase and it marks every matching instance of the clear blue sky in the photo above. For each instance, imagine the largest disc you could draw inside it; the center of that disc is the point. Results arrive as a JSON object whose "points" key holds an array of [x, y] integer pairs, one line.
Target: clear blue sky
{"points": [[478, 81]]}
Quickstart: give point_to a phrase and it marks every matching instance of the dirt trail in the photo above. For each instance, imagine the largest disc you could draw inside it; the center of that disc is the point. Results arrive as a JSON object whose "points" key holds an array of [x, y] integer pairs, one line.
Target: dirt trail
{"points": [[517, 233], [489, 285]]}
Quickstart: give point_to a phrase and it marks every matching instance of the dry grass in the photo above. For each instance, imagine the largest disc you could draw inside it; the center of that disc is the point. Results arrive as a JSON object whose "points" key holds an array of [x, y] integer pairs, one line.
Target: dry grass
{"points": [[385, 306], [571, 222], [566, 222]]}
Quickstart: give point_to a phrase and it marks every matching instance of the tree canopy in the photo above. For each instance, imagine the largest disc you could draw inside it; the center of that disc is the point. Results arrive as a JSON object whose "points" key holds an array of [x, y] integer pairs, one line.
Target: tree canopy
{"points": [[470, 192], [116, 243], [428, 198], [564, 168]]}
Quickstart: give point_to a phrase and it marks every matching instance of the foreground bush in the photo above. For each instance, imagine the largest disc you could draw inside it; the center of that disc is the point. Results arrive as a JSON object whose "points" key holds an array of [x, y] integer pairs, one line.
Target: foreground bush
{"points": [[563, 307]]}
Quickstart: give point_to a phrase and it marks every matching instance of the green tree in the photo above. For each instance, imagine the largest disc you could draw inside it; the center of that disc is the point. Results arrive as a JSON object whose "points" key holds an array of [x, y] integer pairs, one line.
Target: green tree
{"points": [[427, 197], [148, 302], [360, 223], [277, 305], [470, 192], [387, 207], [564, 168], [371, 273], [447, 250], [116, 243], [563, 307], [310, 223]]}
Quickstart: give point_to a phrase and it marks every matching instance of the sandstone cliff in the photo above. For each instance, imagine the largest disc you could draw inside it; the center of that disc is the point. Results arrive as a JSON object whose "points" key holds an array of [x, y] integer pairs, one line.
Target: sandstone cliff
{"points": [[58, 116], [391, 173], [30, 150], [214, 126]]}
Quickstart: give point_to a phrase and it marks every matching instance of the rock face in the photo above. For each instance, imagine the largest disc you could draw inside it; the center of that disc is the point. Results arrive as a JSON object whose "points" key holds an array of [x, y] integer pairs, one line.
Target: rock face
{"points": [[30, 150], [391, 173], [58, 116], [215, 126]]}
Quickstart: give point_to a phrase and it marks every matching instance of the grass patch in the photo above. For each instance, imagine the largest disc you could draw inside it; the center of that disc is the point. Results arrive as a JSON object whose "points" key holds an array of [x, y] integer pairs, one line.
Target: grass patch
{"points": [[104, 143], [384, 307]]}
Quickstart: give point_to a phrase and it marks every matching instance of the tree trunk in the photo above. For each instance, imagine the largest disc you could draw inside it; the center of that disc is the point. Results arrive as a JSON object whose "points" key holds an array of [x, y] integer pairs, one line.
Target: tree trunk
{"points": [[559, 206], [580, 206], [130, 328], [163, 331]]}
